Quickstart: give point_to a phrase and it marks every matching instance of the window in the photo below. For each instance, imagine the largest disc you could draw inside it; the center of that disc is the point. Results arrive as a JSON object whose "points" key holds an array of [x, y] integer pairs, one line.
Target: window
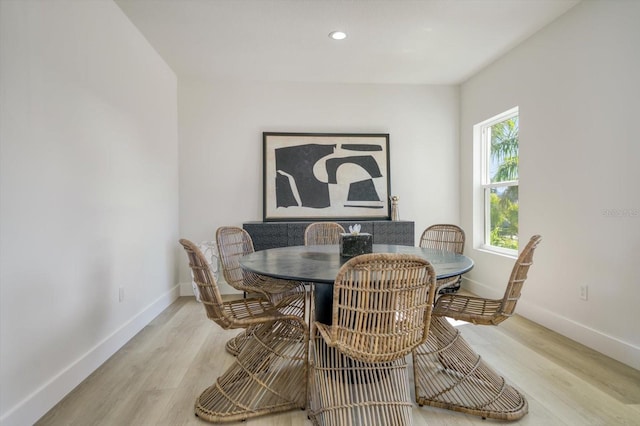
{"points": [[499, 181]]}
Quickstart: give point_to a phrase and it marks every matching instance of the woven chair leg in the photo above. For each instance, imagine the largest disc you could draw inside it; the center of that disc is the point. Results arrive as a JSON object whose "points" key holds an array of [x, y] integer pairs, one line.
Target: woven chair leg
{"points": [[449, 374], [294, 305], [268, 376], [345, 392], [235, 345]]}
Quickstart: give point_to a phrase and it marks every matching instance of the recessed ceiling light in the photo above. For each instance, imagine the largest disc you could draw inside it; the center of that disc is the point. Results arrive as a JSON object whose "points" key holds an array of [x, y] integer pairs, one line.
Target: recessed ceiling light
{"points": [[337, 35]]}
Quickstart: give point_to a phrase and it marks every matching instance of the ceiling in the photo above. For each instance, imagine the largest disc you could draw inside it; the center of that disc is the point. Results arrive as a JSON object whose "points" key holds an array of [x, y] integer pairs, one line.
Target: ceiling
{"points": [[389, 41]]}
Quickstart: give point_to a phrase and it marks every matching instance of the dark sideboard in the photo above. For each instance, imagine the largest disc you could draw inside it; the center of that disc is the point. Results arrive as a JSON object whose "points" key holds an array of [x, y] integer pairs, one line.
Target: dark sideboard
{"points": [[267, 235]]}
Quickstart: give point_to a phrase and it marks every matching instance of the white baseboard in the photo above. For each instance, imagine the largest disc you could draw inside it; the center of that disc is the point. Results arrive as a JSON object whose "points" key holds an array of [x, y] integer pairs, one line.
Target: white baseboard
{"points": [[186, 289], [29, 410], [610, 346]]}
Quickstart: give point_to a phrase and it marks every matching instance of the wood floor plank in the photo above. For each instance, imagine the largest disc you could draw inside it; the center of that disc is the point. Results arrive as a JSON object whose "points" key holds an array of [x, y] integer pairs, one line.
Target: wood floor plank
{"points": [[599, 370], [545, 380], [156, 377]]}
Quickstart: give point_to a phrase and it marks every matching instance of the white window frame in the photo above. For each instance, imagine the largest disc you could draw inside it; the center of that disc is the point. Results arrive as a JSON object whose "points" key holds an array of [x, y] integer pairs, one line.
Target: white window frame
{"points": [[482, 137]]}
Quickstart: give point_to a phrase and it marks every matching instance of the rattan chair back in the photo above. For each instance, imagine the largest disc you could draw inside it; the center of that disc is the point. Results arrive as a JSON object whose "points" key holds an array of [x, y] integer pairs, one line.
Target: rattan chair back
{"points": [[443, 237], [518, 277], [204, 279], [322, 233], [382, 306], [233, 243]]}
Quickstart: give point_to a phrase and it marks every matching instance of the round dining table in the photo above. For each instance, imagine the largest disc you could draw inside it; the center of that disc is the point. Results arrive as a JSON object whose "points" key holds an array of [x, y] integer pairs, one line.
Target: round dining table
{"points": [[320, 264]]}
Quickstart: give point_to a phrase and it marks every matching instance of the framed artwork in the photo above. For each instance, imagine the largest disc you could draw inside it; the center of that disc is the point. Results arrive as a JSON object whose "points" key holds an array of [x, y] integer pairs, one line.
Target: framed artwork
{"points": [[323, 176]]}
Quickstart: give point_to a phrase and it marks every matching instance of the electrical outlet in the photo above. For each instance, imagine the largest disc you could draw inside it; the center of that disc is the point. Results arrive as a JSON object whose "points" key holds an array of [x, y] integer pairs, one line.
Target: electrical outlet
{"points": [[121, 294], [584, 292]]}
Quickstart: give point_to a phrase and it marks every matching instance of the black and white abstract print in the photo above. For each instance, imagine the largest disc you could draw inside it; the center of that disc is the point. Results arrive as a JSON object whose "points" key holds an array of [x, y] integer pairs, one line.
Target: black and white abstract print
{"points": [[318, 176]]}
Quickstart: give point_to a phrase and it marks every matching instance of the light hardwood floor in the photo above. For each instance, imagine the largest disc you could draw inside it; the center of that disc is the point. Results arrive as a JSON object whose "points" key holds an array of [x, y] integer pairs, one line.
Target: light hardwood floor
{"points": [[155, 378]]}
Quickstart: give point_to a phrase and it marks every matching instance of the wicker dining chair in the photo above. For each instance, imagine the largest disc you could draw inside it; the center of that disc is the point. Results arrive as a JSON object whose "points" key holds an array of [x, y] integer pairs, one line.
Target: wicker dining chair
{"points": [[321, 233], [449, 374], [381, 310], [289, 296], [269, 375], [445, 237]]}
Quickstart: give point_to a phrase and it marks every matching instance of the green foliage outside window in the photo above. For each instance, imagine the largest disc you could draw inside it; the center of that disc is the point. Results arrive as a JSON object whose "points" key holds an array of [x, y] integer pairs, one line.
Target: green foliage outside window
{"points": [[504, 200], [504, 221]]}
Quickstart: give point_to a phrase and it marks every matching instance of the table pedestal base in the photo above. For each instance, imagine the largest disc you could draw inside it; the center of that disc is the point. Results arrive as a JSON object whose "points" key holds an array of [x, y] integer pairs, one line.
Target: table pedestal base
{"points": [[323, 302]]}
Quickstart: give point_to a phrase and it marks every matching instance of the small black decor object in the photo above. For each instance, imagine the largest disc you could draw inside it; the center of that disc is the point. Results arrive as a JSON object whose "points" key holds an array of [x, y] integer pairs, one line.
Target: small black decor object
{"points": [[355, 243]]}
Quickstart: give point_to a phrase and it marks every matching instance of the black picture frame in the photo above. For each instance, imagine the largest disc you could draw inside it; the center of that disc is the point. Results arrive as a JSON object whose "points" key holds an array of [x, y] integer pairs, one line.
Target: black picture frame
{"points": [[325, 176]]}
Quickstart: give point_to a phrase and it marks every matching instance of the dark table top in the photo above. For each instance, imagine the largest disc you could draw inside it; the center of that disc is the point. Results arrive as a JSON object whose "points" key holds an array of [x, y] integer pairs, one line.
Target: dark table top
{"points": [[320, 264]]}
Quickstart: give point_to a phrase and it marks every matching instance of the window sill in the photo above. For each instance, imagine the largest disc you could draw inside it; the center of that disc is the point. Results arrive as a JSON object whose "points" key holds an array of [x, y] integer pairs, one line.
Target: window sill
{"points": [[510, 254]]}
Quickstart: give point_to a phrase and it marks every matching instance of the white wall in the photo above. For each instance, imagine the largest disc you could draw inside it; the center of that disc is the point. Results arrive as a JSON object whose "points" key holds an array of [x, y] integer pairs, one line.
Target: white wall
{"points": [[221, 125], [576, 83], [89, 187]]}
